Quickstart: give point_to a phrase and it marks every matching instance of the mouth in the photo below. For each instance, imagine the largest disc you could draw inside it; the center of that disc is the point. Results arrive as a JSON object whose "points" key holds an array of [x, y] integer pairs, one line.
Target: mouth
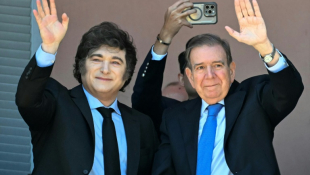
{"points": [[211, 85], [104, 79]]}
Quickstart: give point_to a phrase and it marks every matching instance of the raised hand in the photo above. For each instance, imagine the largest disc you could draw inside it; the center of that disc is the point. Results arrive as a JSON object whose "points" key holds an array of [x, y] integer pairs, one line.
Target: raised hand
{"points": [[252, 26], [175, 18], [51, 30]]}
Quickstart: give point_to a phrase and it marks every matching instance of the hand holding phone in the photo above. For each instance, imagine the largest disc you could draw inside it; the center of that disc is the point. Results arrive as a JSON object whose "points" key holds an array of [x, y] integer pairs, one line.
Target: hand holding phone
{"points": [[206, 13]]}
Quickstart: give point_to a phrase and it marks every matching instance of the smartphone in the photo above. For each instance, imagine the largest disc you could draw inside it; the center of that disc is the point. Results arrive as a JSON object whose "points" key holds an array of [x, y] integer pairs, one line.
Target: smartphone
{"points": [[206, 13]]}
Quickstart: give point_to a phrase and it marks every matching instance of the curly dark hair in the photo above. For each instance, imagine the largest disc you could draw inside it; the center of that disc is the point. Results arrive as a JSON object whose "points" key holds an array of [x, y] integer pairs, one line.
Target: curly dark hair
{"points": [[105, 34], [209, 40]]}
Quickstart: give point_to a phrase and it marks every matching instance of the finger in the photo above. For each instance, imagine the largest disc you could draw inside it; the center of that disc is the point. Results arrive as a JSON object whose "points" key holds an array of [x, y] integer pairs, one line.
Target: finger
{"points": [[40, 10], [187, 24], [243, 8], [65, 21], [238, 10], [249, 8], [183, 6], [233, 33], [38, 19], [188, 12], [176, 4], [45, 7], [256, 9], [53, 7]]}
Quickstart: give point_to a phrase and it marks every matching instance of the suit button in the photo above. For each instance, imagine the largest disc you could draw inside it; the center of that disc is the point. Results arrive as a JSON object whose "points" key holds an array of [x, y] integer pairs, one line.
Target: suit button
{"points": [[26, 77], [30, 68], [147, 63], [143, 75], [85, 172]]}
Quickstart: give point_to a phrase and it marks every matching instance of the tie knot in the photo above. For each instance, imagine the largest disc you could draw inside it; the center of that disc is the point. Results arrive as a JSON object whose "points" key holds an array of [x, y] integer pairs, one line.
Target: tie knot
{"points": [[105, 112], [213, 110]]}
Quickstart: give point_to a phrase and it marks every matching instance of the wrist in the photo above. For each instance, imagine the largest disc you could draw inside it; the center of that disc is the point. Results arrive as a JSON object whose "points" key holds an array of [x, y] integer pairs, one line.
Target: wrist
{"points": [[264, 48], [50, 48], [165, 36]]}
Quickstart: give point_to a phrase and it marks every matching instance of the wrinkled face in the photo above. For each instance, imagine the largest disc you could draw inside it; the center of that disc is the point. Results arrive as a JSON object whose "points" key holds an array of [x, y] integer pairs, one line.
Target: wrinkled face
{"points": [[104, 71], [211, 76]]}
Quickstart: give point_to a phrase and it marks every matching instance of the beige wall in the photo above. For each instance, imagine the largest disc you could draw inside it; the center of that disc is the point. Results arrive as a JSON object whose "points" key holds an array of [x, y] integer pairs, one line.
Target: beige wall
{"points": [[288, 24]]}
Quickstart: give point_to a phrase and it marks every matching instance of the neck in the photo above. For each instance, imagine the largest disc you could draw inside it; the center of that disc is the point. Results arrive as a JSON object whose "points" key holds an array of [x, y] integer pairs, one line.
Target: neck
{"points": [[105, 99]]}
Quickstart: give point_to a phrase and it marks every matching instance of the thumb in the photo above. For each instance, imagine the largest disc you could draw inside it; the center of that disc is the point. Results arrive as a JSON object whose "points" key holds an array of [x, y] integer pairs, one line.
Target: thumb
{"points": [[233, 33], [65, 21]]}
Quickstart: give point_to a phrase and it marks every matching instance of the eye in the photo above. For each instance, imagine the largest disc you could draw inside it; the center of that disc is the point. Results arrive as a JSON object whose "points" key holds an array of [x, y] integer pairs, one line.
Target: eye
{"points": [[96, 60], [116, 62], [199, 67], [218, 65]]}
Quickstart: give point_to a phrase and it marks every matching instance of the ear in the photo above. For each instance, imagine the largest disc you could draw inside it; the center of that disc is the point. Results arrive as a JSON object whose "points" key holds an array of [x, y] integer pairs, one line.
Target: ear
{"points": [[190, 77], [232, 71], [181, 79]]}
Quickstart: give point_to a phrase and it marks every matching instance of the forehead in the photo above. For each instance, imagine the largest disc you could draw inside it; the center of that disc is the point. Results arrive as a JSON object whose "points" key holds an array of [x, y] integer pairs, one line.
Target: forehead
{"points": [[208, 54], [107, 51]]}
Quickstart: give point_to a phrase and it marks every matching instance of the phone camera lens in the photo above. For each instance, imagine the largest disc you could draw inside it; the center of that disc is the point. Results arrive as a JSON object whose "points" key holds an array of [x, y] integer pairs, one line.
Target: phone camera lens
{"points": [[210, 11], [212, 7], [207, 7]]}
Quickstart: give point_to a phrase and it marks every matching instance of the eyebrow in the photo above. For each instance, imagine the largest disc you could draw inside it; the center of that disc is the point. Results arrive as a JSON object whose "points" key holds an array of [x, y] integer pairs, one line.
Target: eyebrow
{"points": [[198, 64], [101, 56]]}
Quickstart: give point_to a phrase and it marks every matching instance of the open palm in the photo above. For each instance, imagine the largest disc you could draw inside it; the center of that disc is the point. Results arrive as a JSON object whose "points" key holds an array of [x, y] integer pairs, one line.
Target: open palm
{"points": [[252, 26], [51, 30]]}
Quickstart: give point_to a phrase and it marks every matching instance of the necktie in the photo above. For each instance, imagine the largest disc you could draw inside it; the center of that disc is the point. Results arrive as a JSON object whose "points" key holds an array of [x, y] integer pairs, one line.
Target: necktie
{"points": [[206, 142], [109, 141]]}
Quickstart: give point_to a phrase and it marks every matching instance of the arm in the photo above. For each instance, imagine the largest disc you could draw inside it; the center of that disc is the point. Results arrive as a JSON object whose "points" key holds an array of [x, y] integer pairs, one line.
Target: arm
{"points": [[279, 96], [36, 104], [163, 159], [147, 95]]}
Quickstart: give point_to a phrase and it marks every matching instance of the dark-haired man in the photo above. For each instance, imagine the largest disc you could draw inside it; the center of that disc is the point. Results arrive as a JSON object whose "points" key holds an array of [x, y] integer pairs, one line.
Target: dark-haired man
{"points": [[84, 130], [229, 129]]}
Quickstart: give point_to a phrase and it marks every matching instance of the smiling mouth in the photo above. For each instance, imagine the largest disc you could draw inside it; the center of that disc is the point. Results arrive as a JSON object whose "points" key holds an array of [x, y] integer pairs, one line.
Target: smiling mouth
{"points": [[211, 85], [104, 79]]}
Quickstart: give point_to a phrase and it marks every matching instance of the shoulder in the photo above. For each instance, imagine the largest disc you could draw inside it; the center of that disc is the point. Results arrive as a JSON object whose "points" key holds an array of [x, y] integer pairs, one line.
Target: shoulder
{"points": [[253, 82], [181, 107], [134, 114], [54, 87]]}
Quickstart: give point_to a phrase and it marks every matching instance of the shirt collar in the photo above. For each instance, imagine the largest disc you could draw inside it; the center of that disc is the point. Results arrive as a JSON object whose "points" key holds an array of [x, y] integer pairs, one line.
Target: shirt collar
{"points": [[95, 103], [205, 105]]}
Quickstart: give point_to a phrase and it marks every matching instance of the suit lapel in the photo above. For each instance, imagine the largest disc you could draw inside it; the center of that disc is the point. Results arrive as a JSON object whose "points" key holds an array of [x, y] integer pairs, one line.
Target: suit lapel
{"points": [[189, 123], [80, 100], [132, 130], [233, 105]]}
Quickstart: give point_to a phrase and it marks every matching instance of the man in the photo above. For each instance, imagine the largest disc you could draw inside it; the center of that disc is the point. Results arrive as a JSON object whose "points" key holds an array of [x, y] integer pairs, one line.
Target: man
{"points": [[229, 128], [147, 96], [84, 130], [175, 90]]}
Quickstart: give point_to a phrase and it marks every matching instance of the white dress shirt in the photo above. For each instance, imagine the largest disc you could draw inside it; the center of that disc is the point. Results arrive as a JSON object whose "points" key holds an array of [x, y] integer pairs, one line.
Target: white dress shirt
{"points": [[44, 60], [219, 165]]}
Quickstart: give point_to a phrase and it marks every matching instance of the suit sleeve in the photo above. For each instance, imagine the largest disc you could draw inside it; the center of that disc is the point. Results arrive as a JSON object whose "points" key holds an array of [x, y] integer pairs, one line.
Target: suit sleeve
{"points": [[280, 96], [35, 104], [163, 157], [147, 96]]}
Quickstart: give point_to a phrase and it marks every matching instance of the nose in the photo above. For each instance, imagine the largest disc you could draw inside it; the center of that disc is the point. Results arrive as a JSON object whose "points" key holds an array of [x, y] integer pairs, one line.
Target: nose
{"points": [[209, 73], [105, 67]]}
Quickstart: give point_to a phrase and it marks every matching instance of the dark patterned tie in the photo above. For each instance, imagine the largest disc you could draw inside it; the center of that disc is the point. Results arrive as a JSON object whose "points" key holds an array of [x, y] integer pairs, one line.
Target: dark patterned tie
{"points": [[109, 141]]}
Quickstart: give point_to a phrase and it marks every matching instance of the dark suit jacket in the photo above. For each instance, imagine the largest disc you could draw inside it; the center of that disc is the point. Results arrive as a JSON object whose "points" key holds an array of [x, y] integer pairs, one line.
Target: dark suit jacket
{"points": [[62, 129], [147, 97], [253, 109]]}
